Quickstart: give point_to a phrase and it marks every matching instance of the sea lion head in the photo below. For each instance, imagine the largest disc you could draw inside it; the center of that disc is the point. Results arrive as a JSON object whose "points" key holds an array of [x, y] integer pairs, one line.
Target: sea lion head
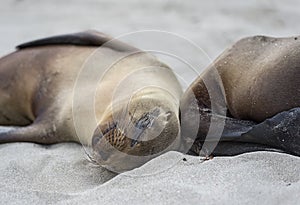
{"points": [[124, 143]]}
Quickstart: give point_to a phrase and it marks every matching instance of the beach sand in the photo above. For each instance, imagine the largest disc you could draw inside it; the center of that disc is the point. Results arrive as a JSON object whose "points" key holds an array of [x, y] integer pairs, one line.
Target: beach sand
{"points": [[61, 174]]}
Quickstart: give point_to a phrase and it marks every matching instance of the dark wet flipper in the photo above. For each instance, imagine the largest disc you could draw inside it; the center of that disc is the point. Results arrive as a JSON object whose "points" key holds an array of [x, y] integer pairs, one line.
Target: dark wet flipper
{"points": [[227, 144], [281, 131], [235, 128], [87, 38], [236, 148], [228, 148]]}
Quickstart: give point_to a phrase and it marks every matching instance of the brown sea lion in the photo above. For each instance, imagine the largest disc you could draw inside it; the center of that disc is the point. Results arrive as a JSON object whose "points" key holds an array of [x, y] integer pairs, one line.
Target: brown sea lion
{"points": [[86, 87], [258, 84]]}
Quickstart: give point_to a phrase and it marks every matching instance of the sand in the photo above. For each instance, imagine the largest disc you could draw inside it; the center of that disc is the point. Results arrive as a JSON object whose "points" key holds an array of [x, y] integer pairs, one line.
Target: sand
{"points": [[61, 174], [35, 174]]}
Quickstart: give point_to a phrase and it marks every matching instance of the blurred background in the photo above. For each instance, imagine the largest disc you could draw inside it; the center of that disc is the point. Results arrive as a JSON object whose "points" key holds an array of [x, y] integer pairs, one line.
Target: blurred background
{"points": [[212, 25]]}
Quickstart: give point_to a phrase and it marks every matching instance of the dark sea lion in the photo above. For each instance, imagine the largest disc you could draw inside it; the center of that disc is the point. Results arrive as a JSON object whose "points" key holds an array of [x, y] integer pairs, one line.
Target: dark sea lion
{"points": [[48, 87], [258, 81]]}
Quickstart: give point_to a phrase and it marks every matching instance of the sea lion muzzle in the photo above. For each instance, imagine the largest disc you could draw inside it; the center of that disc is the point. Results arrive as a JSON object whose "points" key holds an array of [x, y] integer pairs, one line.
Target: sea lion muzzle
{"points": [[114, 143]]}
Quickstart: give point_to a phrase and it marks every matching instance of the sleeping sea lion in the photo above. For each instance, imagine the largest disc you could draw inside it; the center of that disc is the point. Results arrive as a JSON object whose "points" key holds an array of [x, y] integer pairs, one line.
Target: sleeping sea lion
{"points": [[258, 84], [86, 87]]}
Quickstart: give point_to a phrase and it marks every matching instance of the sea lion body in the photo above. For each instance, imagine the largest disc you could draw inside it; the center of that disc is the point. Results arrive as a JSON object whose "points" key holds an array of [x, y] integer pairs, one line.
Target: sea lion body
{"points": [[39, 82], [36, 83], [261, 77], [258, 78]]}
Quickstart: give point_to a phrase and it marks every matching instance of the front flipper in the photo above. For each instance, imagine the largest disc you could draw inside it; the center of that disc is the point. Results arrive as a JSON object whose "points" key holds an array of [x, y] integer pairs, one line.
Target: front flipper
{"points": [[37, 133], [230, 148], [281, 131], [226, 144]]}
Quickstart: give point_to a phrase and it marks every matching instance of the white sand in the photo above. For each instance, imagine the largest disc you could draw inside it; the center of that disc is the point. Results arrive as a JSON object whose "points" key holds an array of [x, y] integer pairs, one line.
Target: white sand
{"points": [[35, 174], [32, 174]]}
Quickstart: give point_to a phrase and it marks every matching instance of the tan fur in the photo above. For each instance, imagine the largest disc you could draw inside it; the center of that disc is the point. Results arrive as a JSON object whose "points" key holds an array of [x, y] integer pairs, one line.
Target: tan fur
{"points": [[260, 76], [42, 90]]}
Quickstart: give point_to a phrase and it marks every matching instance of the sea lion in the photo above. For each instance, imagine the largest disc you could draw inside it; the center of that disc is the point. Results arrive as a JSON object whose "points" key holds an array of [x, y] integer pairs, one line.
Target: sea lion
{"points": [[257, 81], [50, 87]]}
